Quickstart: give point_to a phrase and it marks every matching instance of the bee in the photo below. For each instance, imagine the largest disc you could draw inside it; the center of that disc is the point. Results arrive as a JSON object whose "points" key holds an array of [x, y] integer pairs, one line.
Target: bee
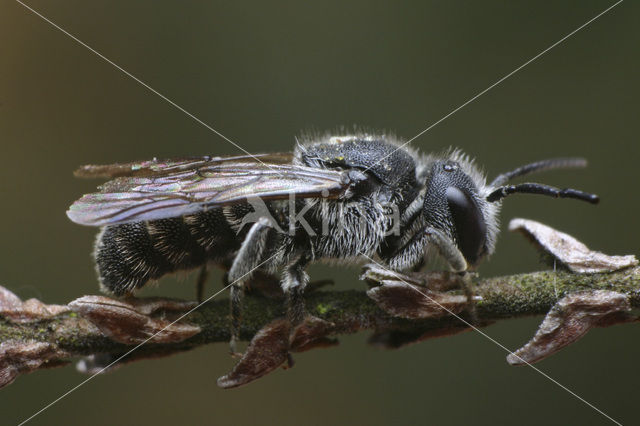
{"points": [[338, 198]]}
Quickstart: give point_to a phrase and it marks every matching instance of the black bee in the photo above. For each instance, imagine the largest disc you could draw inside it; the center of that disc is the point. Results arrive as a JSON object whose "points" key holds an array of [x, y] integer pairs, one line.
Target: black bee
{"points": [[345, 198]]}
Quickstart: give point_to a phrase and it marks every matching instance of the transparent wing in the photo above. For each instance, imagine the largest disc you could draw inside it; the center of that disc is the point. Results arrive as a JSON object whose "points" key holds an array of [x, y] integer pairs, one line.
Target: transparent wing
{"points": [[157, 167], [188, 186]]}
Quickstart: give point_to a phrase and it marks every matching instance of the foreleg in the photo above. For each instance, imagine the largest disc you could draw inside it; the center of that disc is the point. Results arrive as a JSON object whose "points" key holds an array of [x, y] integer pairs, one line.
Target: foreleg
{"points": [[412, 253]]}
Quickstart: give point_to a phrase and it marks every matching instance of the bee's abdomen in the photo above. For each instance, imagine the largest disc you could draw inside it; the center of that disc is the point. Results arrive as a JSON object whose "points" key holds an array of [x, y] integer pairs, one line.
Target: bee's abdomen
{"points": [[129, 255], [126, 258]]}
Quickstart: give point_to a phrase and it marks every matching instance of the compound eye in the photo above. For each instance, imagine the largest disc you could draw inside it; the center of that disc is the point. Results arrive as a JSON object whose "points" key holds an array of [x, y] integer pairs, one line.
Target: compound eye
{"points": [[471, 229]]}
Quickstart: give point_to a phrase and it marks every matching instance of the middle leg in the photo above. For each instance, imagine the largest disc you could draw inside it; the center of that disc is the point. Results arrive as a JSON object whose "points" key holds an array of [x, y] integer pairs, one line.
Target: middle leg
{"points": [[294, 281]]}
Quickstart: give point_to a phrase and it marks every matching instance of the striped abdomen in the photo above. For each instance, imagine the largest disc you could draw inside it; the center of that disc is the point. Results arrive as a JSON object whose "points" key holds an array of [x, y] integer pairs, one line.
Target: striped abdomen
{"points": [[129, 255]]}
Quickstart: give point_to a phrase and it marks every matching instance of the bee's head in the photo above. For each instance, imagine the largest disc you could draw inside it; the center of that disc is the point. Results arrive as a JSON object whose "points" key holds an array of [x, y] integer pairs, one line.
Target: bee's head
{"points": [[459, 202], [454, 205]]}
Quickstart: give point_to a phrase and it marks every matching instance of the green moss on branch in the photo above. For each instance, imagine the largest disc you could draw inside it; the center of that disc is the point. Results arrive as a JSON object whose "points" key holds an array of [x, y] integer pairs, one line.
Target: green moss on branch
{"points": [[350, 311]]}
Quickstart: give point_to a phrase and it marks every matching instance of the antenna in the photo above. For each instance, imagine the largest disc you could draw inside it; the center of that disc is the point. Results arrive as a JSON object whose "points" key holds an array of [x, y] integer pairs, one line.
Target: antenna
{"points": [[538, 188], [539, 166]]}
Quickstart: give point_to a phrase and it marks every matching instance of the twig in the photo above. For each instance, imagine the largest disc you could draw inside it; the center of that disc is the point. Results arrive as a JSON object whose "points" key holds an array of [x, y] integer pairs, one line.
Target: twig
{"points": [[34, 335]]}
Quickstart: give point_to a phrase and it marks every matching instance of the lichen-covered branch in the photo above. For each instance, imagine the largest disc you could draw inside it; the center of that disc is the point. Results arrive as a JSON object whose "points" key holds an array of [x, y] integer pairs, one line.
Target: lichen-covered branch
{"points": [[350, 311], [31, 332], [537, 292]]}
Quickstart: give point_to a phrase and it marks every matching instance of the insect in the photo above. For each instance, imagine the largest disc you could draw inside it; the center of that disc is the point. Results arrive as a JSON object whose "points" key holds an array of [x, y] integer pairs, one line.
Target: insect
{"points": [[344, 198]]}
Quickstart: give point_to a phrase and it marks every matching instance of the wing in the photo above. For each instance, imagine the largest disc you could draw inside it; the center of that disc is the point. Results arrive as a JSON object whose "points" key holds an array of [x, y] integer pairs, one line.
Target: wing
{"points": [[157, 167], [189, 186]]}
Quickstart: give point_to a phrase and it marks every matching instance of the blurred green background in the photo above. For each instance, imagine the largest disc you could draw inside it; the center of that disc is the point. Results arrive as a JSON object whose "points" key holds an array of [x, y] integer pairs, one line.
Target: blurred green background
{"points": [[261, 72]]}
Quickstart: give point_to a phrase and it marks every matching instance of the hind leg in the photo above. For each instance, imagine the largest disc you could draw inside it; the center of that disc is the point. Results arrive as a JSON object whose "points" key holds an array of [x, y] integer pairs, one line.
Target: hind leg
{"points": [[201, 281], [248, 259]]}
